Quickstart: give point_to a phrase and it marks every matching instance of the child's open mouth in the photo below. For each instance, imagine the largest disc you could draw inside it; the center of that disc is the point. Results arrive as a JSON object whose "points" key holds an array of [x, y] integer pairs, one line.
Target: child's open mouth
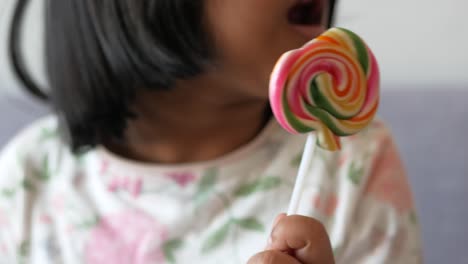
{"points": [[306, 15]]}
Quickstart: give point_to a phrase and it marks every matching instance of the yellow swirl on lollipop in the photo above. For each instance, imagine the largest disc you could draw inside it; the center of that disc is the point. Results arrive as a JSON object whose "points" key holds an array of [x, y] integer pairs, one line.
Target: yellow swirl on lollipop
{"points": [[330, 85]]}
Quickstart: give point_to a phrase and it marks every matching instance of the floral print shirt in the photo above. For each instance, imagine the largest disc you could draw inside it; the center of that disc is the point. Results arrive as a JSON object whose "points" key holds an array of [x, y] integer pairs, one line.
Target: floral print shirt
{"points": [[57, 207]]}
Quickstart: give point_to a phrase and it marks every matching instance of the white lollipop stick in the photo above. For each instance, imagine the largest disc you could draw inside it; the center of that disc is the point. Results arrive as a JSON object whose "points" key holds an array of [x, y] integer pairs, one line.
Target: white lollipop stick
{"points": [[309, 150]]}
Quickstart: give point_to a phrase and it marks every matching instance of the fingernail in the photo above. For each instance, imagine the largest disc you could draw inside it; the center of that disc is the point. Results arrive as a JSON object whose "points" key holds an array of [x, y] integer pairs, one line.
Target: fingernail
{"points": [[278, 218]]}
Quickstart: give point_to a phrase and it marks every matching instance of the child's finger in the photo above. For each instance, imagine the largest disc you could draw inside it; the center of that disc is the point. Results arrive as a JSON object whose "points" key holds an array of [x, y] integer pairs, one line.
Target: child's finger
{"points": [[305, 237], [275, 222], [272, 257]]}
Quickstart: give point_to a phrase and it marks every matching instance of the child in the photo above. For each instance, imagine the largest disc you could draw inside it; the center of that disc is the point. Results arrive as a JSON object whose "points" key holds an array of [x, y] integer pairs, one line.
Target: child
{"points": [[163, 148]]}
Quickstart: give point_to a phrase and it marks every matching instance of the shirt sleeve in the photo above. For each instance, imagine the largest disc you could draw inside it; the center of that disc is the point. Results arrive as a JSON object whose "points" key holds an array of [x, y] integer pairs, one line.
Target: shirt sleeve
{"points": [[12, 200], [384, 226], [20, 173]]}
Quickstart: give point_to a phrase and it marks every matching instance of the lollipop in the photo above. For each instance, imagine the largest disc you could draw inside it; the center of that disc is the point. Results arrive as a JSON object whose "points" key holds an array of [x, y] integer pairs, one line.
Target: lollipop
{"points": [[331, 86]]}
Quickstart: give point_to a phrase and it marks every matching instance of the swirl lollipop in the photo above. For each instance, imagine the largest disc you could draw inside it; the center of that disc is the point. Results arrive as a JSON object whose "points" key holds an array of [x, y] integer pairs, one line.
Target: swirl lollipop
{"points": [[331, 86]]}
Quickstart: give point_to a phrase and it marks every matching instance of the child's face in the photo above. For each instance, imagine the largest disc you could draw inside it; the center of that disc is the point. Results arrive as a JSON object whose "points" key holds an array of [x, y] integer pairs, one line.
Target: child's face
{"points": [[251, 35]]}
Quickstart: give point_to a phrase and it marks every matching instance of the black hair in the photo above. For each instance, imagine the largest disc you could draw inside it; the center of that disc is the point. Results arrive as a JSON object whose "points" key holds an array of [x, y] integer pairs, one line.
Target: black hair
{"points": [[99, 53], [113, 48], [331, 17]]}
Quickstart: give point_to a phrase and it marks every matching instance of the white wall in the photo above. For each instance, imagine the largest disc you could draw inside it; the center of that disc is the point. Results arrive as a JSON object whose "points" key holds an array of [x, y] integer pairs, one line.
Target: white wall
{"points": [[416, 41], [32, 45]]}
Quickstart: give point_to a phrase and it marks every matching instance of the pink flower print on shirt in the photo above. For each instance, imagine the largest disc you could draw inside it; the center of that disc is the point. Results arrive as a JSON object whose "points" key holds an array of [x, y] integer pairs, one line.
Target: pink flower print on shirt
{"points": [[127, 237], [45, 219], [326, 204], [182, 178], [78, 179], [3, 219], [377, 124], [388, 182], [58, 202], [343, 160], [132, 186], [3, 248], [104, 167]]}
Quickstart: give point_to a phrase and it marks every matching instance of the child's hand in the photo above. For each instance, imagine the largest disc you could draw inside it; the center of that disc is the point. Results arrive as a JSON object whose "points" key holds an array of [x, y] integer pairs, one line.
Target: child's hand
{"points": [[295, 240]]}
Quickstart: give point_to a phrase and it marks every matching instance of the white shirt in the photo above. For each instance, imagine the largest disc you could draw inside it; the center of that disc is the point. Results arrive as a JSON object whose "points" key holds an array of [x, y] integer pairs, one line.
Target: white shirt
{"points": [[56, 207]]}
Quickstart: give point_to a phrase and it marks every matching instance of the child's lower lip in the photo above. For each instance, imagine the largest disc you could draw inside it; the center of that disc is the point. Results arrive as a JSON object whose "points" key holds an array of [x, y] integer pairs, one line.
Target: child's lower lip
{"points": [[308, 31]]}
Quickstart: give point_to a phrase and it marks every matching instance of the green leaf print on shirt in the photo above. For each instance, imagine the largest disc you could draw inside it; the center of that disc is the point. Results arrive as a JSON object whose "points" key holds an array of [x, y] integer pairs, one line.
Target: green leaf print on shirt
{"points": [[169, 247], [336, 251], [208, 180], [414, 218], [217, 238], [296, 161], [262, 184], [23, 251], [250, 224], [8, 193], [355, 173], [28, 185], [47, 133], [80, 157], [205, 187], [89, 223], [44, 174]]}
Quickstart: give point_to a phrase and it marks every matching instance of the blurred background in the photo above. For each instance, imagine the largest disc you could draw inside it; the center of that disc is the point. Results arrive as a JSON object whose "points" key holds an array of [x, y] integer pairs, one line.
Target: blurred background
{"points": [[421, 46]]}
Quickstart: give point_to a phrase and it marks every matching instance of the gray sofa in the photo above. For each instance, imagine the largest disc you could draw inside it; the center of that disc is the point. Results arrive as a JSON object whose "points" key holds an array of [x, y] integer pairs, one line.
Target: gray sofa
{"points": [[429, 126]]}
